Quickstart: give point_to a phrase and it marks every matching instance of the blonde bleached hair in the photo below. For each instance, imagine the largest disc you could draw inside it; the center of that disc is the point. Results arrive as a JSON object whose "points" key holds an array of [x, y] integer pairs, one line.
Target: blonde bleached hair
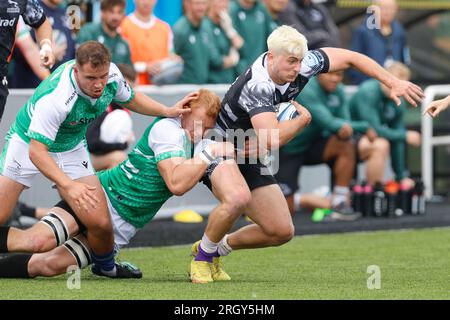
{"points": [[287, 40]]}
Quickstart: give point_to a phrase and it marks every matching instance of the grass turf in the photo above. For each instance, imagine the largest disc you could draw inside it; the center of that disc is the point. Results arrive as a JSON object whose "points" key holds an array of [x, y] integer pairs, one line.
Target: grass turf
{"points": [[414, 264]]}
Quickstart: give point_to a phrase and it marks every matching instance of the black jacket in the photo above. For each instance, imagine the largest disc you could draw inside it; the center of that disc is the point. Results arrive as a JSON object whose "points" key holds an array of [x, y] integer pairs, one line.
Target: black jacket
{"points": [[313, 21]]}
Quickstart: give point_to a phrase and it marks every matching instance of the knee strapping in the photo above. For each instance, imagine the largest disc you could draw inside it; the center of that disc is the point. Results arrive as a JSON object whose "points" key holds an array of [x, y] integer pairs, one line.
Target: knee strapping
{"points": [[79, 251], [58, 226]]}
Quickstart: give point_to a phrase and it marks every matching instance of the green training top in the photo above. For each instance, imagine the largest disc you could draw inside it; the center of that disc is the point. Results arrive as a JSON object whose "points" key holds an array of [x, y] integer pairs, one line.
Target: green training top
{"points": [[371, 105], [118, 47], [220, 40], [195, 46], [329, 113], [254, 25]]}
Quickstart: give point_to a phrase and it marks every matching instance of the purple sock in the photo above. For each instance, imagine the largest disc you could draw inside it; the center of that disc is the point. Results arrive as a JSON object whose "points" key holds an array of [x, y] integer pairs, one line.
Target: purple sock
{"points": [[205, 256]]}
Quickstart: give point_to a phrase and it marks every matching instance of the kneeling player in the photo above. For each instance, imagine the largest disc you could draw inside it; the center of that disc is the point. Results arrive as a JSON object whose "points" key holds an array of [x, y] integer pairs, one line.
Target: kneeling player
{"points": [[159, 166]]}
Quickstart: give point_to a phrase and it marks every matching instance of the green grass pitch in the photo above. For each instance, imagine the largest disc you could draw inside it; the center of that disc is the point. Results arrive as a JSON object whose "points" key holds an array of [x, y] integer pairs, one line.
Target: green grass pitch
{"points": [[413, 264]]}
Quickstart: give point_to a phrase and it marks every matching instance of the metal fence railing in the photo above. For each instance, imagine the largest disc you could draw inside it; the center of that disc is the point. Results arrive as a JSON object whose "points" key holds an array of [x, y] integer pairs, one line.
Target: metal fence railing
{"points": [[429, 140]]}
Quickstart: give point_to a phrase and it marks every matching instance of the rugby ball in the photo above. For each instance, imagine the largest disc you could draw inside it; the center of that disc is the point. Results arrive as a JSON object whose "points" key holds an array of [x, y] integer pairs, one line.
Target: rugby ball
{"points": [[170, 72], [286, 111]]}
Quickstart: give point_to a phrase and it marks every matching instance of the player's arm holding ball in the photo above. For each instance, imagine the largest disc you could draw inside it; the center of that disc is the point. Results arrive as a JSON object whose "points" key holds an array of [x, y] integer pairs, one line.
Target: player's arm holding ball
{"points": [[287, 130]]}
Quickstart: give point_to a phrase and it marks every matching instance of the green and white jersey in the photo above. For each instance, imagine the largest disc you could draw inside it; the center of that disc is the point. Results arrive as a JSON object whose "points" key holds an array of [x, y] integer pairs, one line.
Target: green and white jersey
{"points": [[59, 113], [135, 188]]}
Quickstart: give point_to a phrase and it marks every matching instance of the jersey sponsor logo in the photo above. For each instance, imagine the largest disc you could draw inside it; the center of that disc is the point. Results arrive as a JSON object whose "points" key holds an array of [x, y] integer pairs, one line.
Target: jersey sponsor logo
{"points": [[85, 164], [7, 22], [15, 7], [84, 120], [72, 96]]}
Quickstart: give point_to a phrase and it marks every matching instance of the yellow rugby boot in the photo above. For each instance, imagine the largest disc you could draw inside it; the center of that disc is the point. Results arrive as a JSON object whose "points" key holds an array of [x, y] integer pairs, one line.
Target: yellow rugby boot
{"points": [[217, 272], [200, 272]]}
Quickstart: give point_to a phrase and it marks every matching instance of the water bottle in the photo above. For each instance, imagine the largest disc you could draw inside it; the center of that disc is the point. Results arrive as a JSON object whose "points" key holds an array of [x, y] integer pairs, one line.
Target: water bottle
{"points": [[418, 199], [363, 198], [368, 200], [392, 188], [404, 199], [379, 200], [357, 197]]}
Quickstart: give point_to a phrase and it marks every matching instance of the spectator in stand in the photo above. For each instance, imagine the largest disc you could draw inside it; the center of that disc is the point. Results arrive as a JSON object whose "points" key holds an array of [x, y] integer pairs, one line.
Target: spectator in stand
{"points": [[108, 136], [150, 40], [254, 24], [106, 32], [312, 20], [384, 42], [225, 39], [193, 42], [331, 138], [371, 104], [63, 47], [275, 7]]}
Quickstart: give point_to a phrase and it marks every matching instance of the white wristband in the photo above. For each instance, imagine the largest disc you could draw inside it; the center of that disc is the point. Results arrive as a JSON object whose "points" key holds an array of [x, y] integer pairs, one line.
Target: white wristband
{"points": [[206, 156]]}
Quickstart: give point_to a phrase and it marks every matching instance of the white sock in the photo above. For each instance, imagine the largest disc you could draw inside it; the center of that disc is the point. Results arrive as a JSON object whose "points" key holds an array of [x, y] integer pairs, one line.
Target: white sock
{"points": [[207, 245], [224, 247], [340, 194]]}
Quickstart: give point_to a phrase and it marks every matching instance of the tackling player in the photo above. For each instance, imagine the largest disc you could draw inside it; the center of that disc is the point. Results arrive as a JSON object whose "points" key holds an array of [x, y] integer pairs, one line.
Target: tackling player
{"points": [[48, 137], [161, 165]]}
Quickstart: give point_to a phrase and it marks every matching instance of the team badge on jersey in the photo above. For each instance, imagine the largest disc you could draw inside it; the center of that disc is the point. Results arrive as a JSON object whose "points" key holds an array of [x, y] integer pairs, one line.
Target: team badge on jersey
{"points": [[15, 7]]}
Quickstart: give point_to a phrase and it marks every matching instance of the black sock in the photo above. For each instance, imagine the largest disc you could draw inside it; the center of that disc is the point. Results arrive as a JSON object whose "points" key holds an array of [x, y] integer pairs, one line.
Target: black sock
{"points": [[15, 265], [4, 239], [26, 210]]}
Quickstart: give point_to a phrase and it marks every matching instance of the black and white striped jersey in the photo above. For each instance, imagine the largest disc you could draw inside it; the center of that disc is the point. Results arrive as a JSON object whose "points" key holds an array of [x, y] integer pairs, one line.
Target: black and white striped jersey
{"points": [[254, 92], [10, 11]]}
